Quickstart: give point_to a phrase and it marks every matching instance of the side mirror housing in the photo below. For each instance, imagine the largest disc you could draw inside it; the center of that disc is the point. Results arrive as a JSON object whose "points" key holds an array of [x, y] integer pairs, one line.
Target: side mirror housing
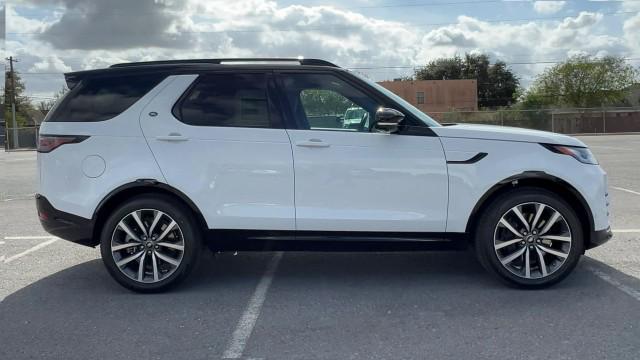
{"points": [[388, 120]]}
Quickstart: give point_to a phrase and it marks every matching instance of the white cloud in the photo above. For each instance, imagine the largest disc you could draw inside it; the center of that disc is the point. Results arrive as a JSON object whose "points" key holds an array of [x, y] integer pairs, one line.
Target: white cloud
{"points": [[530, 42], [631, 5], [262, 28], [632, 33], [548, 7], [50, 63], [17, 23]]}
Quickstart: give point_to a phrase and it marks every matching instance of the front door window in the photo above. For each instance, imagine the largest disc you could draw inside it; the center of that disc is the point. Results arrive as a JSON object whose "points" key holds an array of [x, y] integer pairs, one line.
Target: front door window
{"points": [[326, 102]]}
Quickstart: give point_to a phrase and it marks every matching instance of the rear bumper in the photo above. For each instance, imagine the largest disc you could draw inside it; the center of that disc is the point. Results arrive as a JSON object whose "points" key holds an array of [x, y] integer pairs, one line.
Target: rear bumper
{"points": [[599, 237], [64, 225]]}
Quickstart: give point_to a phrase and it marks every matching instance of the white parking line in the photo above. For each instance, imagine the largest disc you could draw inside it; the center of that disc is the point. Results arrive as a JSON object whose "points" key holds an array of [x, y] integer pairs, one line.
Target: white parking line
{"points": [[19, 197], [626, 190], [20, 159], [28, 237], [626, 230], [252, 312], [624, 288], [2, 243], [610, 147], [28, 251]]}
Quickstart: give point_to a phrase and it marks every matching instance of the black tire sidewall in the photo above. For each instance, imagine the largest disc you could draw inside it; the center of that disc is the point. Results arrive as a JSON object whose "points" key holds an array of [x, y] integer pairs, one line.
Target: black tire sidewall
{"points": [[181, 214], [489, 220]]}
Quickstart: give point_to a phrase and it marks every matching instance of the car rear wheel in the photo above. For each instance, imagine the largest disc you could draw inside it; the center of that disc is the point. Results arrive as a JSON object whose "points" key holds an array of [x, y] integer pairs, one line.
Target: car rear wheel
{"points": [[529, 237], [150, 243]]}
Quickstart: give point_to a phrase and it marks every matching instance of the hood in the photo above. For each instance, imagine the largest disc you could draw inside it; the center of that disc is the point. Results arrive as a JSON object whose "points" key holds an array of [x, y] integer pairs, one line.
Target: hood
{"points": [[505, 133]]}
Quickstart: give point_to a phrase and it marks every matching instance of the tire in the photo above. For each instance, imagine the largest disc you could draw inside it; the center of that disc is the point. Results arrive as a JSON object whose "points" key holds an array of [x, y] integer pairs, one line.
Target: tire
{"points": [[168, 254], [553, 252]]}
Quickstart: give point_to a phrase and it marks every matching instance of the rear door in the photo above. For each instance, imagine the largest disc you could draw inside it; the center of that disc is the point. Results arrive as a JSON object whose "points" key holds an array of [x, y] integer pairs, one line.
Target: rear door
{"points": [[350, 177], [224, 146]]}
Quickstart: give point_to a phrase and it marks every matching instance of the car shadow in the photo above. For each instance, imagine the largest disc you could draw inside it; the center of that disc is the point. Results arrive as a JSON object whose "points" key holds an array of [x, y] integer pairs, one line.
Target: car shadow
{"points": [[81, 312]]}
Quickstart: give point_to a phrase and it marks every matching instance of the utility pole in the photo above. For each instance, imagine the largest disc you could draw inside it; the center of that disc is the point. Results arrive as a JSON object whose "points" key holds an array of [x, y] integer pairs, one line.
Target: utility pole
{"points": [[14, 123]]}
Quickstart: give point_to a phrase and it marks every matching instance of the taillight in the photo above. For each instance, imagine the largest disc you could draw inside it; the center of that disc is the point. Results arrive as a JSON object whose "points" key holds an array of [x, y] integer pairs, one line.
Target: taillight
{"points": [[47, 143]]}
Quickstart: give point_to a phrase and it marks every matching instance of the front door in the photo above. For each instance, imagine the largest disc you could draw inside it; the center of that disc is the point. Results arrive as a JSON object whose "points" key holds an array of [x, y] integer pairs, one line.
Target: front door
{"points": [[348, 177]]}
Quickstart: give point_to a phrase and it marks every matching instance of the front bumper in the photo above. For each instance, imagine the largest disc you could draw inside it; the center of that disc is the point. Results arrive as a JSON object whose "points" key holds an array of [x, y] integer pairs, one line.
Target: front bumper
{"points": [[64, 225], [599, 237]]}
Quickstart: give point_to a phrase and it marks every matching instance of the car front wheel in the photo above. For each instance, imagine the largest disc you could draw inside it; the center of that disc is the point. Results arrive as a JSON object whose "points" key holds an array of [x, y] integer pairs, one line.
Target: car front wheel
{"points": [[529, 237]]}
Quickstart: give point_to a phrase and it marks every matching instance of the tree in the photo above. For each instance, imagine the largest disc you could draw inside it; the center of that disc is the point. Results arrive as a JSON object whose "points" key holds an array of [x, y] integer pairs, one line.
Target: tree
{"points": [[582, 81], [318, 102], [442, 69], [497, 84], [21, 100], [46, 105]]}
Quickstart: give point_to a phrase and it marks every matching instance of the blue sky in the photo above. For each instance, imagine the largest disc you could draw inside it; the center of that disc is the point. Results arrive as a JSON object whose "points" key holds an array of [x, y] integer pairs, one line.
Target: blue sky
{"points": [[50, 37]]}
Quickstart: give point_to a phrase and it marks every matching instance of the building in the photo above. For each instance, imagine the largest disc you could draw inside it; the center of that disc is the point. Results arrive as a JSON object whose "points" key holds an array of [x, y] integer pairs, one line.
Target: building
{"points": [[435, 97]]}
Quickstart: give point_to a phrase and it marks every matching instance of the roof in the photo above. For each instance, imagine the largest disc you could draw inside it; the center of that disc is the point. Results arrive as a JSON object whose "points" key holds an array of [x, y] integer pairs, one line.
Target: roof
{"points": [[232, 61], [190, 65]]}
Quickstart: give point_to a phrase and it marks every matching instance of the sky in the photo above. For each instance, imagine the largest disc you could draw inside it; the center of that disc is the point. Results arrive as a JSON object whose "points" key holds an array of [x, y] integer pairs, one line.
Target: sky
{"points": [[382, 39]]}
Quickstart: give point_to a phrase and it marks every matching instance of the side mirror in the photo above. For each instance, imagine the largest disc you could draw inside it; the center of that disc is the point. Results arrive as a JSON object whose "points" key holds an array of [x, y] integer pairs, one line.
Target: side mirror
{"points": [[388, 120]]}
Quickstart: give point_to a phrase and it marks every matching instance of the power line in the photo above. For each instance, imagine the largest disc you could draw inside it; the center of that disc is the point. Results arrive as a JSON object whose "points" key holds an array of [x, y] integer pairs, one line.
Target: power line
{"points": [[508, 63], [351, 27], [392, 67], [479, 2], [467, 3]]}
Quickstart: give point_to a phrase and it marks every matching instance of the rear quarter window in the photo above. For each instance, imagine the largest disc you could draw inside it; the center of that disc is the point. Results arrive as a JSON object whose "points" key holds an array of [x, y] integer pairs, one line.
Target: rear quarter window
{"points": [[103, 98]]}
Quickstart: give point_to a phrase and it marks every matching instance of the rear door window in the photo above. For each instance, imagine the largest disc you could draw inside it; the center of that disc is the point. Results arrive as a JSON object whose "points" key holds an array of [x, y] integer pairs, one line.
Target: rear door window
{"points": [[103, 98], [228, 100]]}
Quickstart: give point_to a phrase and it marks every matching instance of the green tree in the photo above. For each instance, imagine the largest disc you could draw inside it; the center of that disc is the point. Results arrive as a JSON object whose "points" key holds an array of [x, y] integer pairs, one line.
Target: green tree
{"points": [[22, 101], [318, 102], [442, 69], [582, 81], [46, 105], [497, 84]]}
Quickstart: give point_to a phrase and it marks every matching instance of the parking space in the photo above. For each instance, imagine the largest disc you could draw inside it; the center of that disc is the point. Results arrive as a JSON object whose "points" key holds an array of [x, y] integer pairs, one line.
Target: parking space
{"points": [[57, 300]]}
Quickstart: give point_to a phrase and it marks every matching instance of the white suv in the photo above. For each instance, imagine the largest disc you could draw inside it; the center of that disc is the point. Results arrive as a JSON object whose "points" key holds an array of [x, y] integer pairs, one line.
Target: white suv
{"points": [[151, 161]]}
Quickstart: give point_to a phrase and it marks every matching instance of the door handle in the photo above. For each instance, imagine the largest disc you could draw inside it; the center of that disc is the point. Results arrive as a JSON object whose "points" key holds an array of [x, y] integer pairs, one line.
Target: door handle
{"points": [[172, 137], [313, 143]]}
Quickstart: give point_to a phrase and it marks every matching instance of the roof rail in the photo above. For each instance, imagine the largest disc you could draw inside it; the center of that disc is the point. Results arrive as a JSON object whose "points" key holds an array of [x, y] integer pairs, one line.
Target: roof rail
{"points": [[238, 61]]}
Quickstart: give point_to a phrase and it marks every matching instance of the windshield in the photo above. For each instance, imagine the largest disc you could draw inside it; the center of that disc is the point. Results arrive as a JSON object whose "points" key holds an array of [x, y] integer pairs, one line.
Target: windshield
{"points": [[412, 109], [354, 113]]}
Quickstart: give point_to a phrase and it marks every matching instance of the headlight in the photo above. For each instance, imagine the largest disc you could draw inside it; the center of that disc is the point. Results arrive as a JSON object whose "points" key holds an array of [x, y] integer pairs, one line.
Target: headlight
{"points": [[581, 154]]}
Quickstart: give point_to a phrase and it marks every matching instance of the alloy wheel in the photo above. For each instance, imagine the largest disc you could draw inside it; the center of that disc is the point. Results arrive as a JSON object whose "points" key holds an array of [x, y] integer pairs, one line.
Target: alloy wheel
{"points": [[147, 245], [532, 240]]}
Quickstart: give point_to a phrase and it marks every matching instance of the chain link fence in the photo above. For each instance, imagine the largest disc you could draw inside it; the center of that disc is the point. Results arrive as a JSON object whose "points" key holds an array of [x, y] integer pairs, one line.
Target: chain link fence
{"points": [[22, 138], [567, 121]]}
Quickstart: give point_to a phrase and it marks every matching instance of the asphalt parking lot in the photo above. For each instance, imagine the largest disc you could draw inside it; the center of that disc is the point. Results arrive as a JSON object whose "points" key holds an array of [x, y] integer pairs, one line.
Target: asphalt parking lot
{"points": [[58, 302]]}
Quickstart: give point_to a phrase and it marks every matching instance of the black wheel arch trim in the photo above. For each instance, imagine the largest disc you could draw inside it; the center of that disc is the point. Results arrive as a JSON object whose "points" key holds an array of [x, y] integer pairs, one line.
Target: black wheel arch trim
{"points": [[146, 184], [591, 236]]}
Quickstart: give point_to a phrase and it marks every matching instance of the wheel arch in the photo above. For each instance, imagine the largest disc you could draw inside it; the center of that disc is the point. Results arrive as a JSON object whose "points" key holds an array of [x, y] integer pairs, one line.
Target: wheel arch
{"points": [[542, 180], [139, 187]]}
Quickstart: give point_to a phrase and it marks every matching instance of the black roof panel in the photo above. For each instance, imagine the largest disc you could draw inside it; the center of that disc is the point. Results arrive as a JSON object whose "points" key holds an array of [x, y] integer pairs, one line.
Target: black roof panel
{"points": [[189, 65]]}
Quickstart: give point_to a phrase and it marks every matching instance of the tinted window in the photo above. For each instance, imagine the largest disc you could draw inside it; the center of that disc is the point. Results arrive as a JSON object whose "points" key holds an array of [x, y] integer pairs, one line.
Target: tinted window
{"points": [[326, 102], [101, 99], [235, 100]]}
